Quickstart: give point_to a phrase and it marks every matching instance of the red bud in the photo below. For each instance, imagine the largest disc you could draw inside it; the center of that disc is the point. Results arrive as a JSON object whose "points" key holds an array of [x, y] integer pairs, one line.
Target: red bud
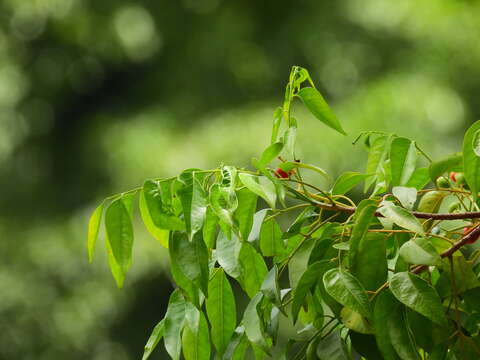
{"points": [[281, 174]]}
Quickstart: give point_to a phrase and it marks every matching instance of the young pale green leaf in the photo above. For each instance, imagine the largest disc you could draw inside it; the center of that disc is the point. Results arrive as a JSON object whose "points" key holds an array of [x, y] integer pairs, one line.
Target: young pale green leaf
{"points": [[160, 234], [308, 280], [154, 339], [384, 305], [290, 138], [93, 228], [219, 204], [403, 158], [270, 153], [277, 120], [194, 203], [253, 323], [370, 261], [406, 195], [221, 311], [174, 322], [119, 227], [247, 204], [319, 108], [271, 242], [191, 257], [471, 161], [400, 334], [157, 209], [115, 269], [417, 294], [431, 201], [347, 181], [377, 155], [420, 251], [258, 218], [419, 179], [228, 254], [262, 186], [253, 271], [196, 336], [401, 217], [364, 215], [356, 322], [347, 290], [452, 162]]}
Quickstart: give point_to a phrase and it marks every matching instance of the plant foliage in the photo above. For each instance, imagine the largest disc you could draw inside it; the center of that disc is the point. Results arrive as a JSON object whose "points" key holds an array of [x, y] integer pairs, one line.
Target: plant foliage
{"points": [[392, 277]]}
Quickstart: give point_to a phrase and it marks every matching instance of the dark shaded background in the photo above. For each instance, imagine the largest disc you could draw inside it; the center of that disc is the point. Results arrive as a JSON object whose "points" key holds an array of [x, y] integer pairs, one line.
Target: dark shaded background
{"points": [[96, 96]]}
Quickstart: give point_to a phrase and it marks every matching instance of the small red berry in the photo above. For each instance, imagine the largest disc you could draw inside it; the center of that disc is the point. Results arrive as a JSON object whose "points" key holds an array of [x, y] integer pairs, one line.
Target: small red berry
{"points": [[453, 176], [281, 174], [466, 231]]}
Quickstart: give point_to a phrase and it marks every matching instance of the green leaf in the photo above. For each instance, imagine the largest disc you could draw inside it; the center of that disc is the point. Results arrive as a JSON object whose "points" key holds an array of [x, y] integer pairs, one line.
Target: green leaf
{"points": [[403, 158], [406, 195], [271, 242], [247, 204], [364, 215], [299, 261], [347, 181], [270, 287], [194, 202], [260, 185], [191, 257], [370, 264], [464, 276], [356, 322], [377, 155], [289, 138], [418, 295], [347, 290], [210, 228], [93, 228], [228, 254], [384, 305], [160, 234], [154, 339], [452, 162], [319, 108], [253, 323], [333, 347], [420, 251], [115, 269], [401, 217], [161, 216], [221, 311], [401, 335], [419, 179], [307, 281], [471, 161], [196, 337], [174, 322], [365, 345], [254, 269], [120, 233], [277, 120], [219, 204], [238, 346], [270, 153], [258, 218]]}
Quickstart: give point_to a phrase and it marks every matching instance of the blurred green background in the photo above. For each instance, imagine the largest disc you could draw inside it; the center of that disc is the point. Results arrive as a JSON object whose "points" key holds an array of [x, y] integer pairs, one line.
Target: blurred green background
{"points": [[96, 96]]}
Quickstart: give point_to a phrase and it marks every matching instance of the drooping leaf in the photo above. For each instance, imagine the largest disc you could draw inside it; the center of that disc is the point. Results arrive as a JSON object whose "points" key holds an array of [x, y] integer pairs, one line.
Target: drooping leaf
{"points": [[348, 181], [356, 322], [365, 345], [452, 162], [159, 234], [253, 323], [384, 305], [347, 290], [333, 347], [271, 242], [377, 155], [319, 108], [93, 228], [119, 228], [299, 261], [247, 204], [210, 228], [403, 158], [270, 287], [154, 339], [194, 202], [115, 269], [228, 253], [420, 251], [196, 337], [191, 257], [174, 322], [401, 217], [464, 276], [419, 179], [471, 161], [417, 294], [221, 311], [258, 218], [254, 269], [220, 205], [262, 186], [238, 346], [401, 335]]}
